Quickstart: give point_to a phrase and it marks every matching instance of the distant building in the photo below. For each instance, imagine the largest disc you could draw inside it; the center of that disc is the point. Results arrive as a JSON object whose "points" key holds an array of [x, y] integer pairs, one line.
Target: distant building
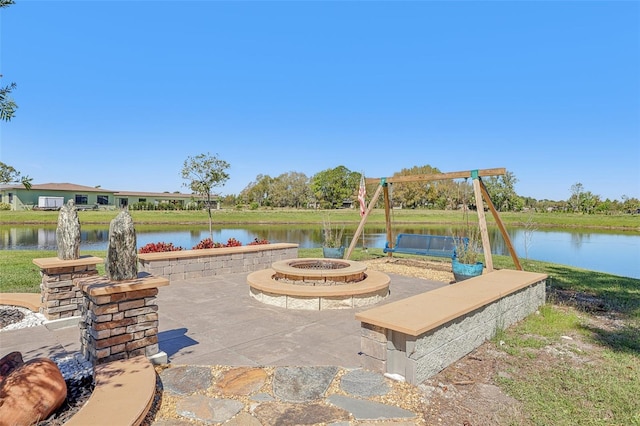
{"points": [[87, 197]]}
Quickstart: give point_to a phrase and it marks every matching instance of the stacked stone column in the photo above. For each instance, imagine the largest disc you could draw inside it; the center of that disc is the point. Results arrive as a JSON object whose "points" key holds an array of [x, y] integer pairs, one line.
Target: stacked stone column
{"points": [[120, 318], [61, 297]]}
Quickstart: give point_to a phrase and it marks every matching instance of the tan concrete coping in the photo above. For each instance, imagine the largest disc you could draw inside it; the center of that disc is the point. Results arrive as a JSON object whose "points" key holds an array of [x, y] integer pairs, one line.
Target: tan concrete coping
{"points": [[262, 280], [418, 314], [54, 262], [186, 254], [293, 268], [103, 286], [123, 394], [31, 301]]}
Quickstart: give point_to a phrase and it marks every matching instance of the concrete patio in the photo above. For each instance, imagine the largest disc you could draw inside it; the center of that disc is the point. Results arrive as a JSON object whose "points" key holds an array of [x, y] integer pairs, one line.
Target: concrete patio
{"points": [[207, 321]]}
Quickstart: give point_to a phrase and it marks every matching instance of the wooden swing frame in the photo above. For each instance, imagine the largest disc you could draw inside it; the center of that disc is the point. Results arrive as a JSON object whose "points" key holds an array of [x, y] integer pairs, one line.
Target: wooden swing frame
{"points": [[479, 190]]}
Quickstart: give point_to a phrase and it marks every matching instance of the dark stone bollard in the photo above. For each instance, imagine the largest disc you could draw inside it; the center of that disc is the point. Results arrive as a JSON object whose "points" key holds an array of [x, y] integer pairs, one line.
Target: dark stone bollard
{"points": [[122, 258], [68, 232]]}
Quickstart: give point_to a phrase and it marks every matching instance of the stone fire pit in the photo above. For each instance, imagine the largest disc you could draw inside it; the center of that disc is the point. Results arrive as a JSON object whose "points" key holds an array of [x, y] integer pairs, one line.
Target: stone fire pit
{"points": [[318, 284]]}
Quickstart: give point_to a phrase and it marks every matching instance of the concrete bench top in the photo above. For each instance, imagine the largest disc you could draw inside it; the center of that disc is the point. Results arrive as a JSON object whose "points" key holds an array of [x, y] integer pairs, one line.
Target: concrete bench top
{"points": [[31, 301], [103, 286], [54, 262], [123, 394], [418, 314], [186, 254]]}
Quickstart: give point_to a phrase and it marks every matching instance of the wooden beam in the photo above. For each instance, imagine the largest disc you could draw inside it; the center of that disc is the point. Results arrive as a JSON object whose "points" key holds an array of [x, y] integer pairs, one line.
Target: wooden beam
{"points": [[439, 176], [482, 222], [387, 216], [501, 226], [372, 204]]}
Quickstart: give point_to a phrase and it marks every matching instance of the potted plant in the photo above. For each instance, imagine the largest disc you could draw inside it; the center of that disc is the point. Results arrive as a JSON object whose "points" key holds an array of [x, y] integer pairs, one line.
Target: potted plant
{"points": [[332, 240], [465, 262]]}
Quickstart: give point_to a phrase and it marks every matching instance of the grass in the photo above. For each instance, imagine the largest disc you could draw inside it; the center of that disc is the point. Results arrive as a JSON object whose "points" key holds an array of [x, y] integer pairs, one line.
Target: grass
{"points": [[603, 388], [625, 222], [566, 394], [18, 274]]}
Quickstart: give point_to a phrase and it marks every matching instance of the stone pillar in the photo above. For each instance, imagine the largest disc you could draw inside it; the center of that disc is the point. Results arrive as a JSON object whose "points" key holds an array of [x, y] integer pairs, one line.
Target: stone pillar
{"points": [[120, 318], [122, 258], [60, 295]]}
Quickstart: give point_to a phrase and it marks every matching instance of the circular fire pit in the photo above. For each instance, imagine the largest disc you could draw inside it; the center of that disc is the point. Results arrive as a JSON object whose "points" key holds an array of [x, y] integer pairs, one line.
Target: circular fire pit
{"points": [[318, 284]]}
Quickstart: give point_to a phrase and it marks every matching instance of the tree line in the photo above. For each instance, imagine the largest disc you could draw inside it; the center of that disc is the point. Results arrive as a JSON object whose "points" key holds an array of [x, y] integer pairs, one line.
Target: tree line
{"points": [[338, 187]]}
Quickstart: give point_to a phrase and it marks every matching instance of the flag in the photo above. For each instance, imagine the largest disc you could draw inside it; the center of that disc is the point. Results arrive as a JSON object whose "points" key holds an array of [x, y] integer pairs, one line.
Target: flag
{"points": [[362, 192]]}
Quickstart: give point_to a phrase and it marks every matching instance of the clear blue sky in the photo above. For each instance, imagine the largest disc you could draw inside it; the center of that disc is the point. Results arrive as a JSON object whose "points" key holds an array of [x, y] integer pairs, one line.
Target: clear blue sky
{"points": [[120, 93]]}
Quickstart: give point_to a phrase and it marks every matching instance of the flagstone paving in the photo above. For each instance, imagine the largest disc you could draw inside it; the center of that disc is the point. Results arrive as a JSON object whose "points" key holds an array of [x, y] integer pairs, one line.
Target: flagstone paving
{"points": [[278, 396]]}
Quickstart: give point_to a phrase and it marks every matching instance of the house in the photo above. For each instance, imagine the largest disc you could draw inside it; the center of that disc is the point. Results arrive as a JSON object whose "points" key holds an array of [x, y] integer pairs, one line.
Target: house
{"points": [[88, 197]]}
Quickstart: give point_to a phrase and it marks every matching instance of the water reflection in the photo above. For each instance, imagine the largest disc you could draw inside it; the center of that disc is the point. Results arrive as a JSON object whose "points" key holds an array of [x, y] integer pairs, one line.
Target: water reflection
{"points": [[613, 253]]}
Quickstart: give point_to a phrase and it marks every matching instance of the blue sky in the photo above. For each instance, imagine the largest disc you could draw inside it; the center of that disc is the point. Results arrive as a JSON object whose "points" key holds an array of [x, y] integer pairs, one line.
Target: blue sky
{"points": [[120, 93]]}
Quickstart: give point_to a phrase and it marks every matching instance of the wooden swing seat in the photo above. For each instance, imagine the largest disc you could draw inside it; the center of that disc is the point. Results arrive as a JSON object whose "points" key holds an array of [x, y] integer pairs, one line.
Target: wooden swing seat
{"points": [[426, 245]]}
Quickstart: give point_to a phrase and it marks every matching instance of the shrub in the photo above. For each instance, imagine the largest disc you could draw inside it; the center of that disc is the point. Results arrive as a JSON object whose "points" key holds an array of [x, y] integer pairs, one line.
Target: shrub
{"points": [[159, 248], [165, 206], [332, 236], [256, 242], [207, 243], [232, 242], [5, 206]]}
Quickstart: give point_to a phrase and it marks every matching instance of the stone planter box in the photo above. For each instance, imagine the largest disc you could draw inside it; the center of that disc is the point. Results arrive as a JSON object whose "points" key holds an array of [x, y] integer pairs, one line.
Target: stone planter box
{"points": [[188, 264]]}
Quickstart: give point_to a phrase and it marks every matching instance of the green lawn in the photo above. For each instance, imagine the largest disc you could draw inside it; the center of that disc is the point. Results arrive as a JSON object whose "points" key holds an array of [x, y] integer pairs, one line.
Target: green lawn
{"points": [[341, 216]]}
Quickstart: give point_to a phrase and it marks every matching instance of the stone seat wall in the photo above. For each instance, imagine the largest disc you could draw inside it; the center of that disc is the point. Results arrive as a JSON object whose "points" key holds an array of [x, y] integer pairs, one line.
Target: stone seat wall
{"points": [[188, 264], [419, 336]]}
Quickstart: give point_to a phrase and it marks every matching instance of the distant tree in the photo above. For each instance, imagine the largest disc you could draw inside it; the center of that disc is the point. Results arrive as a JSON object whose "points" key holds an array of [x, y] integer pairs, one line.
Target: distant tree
{"points": [[10, 175], [630, 204], [290, 190], [229, 200], [416, 194], [577, 191], [258, 191], [331, 187], [7, 105], [205, 172], [582, 201], [502, 191]]}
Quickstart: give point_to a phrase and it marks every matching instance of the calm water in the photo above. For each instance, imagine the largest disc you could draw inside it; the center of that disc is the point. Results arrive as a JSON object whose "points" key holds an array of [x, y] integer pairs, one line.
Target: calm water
{"points": [[606, 252]]}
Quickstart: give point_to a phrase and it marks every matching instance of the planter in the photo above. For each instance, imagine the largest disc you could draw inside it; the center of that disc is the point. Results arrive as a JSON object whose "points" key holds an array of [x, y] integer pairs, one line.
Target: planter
{"points": [[463, 271], [333, 252]]}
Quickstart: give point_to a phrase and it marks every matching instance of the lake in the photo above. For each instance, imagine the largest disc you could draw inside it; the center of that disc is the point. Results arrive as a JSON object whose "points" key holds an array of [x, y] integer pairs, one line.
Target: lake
{"points": [[614, 253]]}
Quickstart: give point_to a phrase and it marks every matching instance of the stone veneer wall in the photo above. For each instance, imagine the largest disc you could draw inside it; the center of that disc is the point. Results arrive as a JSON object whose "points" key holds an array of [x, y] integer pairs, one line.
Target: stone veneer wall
{"points": [[120, 319], [60, 295], [188, 264], [419, 357]]}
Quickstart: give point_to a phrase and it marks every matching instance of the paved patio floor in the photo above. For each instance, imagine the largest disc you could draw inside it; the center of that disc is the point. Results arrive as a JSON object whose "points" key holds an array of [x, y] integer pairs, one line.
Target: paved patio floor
{"points": [[212, 321]]}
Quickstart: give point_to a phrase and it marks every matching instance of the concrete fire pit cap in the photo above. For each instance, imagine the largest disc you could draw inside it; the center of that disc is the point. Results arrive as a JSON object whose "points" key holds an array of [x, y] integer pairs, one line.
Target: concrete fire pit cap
{"points": [[319, 267]]}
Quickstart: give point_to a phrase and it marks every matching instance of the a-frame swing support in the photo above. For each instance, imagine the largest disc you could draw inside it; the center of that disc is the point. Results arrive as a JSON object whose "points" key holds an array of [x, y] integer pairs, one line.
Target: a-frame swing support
{"points": [[480, 192]]}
